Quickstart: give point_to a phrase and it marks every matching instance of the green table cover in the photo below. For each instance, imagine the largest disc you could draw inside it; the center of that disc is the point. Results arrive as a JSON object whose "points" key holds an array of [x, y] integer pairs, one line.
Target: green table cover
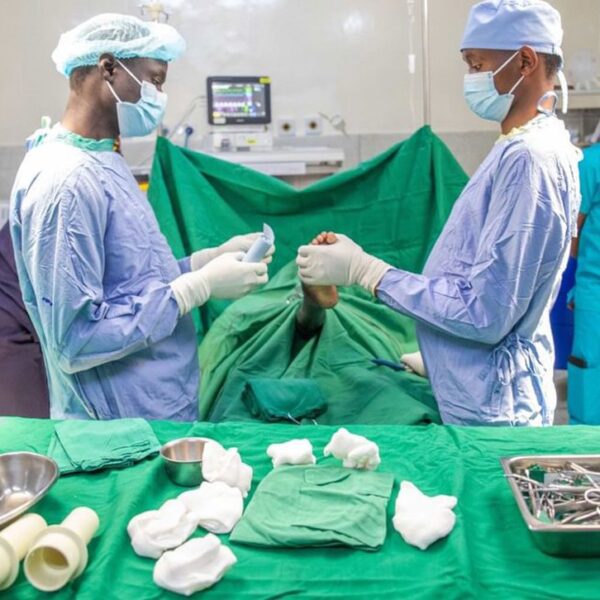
{"points": [[488, 555]]}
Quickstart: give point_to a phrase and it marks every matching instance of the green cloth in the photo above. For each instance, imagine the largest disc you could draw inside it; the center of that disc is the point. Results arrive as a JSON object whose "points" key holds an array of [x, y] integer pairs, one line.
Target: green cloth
{"points": [[394, 205], [488, 555], [92, 445], [256, 337], [297, 507], [283, 399]]}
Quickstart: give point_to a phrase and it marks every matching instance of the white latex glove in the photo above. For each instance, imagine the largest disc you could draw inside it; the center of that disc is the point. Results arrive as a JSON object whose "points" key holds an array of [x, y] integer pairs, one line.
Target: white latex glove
{"points": [[225, 277], [238, 243], [343, 263], [414, 363]]}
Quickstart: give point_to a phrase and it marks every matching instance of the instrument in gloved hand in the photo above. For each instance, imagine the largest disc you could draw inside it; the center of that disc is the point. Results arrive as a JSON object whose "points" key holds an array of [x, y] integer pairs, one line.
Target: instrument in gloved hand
{"points": [[239, 243], [225, 277]]}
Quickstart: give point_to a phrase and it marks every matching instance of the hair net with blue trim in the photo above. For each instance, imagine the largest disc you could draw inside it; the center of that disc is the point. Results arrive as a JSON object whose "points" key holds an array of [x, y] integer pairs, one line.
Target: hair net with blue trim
{"points": [[124, 36]]}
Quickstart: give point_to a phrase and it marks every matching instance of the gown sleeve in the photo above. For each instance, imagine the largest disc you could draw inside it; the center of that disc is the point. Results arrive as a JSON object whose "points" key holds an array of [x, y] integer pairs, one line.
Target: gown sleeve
{"points": [[66, 265], [523, 237]]}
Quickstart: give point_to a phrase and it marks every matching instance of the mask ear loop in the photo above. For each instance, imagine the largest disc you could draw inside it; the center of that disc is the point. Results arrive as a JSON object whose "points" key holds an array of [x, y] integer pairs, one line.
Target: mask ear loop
{"points": [[112, 91], [130, 73], [547, 111], [564, 88]]}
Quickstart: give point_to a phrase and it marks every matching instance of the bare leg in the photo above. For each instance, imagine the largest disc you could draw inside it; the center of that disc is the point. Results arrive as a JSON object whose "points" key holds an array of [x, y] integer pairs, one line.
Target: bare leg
{"points": [[317, 298]]}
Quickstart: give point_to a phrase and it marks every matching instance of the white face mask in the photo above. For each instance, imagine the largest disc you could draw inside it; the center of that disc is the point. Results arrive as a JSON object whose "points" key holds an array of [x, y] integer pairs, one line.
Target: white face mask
{"points": [[140, 118], [482, 96]]}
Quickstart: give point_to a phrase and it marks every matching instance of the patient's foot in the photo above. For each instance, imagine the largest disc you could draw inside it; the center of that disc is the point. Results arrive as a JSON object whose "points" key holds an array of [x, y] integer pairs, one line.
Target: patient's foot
{"points": [[325, 296], [317, 298]]}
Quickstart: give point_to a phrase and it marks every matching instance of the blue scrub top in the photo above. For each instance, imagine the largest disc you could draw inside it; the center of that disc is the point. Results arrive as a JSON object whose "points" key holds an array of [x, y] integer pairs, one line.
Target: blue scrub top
{"points": [[484, 298], [587, 288], [94, 271]]}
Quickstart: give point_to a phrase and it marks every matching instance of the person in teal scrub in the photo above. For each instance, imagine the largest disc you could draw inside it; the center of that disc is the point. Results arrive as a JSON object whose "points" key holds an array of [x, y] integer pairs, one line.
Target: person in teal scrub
{"points": [[584, 362]]}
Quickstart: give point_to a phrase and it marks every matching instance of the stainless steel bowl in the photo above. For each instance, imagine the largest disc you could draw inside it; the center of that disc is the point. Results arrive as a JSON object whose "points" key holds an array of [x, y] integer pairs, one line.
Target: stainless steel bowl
{"points": [[183, 460], [25, 478]]}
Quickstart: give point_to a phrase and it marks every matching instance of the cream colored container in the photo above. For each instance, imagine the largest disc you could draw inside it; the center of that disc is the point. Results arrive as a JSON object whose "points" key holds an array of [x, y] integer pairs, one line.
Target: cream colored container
{"points": [[59, 554], [15, 541]]}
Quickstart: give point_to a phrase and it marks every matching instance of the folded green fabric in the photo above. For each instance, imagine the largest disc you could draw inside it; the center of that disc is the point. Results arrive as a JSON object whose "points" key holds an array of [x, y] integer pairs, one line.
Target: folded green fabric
{"points": [[284, 399], [92, 445], [317, 506]]}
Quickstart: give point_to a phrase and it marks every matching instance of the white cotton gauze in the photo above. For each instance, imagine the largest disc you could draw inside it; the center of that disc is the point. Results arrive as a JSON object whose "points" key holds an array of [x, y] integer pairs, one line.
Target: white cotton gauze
{"points": [[194, 566], [216, 506], [154, 531], [356, 451], [223, 465], [421, 520], [294, 452]]}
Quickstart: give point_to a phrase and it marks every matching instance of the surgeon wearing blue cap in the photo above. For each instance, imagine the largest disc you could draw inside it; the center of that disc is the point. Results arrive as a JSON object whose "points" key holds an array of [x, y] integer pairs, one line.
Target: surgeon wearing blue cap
{"points": [[483, 300], [107, 298]]}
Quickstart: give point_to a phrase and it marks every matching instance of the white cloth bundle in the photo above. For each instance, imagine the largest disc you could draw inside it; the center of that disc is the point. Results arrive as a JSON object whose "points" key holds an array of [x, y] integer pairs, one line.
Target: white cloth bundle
{"points": [[194, 566], [356, 451], [223, 465], [294, 452], [420, 519], [154, 531], [217, 507]]}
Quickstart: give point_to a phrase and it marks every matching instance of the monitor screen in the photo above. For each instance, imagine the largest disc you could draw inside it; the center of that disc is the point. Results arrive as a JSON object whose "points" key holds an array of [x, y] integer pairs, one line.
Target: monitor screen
{"points": [[239, 100]]}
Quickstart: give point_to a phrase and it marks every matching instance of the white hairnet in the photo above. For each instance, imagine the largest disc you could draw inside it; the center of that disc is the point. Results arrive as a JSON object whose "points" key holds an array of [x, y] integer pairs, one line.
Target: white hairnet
{"points": [[124, 36]]}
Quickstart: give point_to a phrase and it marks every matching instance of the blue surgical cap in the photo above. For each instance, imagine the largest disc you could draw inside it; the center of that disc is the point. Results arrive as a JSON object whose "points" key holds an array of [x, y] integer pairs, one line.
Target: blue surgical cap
{"points": [[124, 36], [512, 24]]}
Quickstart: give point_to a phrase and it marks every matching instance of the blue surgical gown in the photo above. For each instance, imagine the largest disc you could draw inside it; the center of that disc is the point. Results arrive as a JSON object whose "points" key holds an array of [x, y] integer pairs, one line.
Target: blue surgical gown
{"points": [[94, 270], [484, 298]]}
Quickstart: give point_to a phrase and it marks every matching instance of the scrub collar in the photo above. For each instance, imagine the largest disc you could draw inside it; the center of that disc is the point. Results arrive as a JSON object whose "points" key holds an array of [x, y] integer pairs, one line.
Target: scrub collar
{"points": [[87, 144]]}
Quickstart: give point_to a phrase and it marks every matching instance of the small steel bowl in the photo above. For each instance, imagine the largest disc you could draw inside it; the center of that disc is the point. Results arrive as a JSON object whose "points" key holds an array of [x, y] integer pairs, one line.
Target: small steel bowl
{"points": [[183, 460], [25, 477]]}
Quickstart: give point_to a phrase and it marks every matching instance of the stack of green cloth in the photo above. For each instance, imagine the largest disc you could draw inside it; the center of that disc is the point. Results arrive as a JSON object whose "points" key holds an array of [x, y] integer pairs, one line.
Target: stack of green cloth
{"points": [[283, 399], [92, 445], [317, 506]]}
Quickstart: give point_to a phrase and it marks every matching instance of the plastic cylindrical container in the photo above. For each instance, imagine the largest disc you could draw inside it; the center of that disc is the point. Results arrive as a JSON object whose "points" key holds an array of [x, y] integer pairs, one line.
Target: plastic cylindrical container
{"points": [[15, 541], [261, 246], [59, 554]]}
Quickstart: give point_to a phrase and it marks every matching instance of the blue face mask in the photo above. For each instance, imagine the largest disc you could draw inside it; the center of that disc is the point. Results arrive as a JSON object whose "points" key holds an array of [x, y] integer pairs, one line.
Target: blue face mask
{"points": [[140, 118], [483, 98]]}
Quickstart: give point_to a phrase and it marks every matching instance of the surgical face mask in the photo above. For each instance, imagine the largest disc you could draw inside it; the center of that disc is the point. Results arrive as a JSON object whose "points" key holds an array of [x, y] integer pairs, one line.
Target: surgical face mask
{"points": [[144, 116], [482, 96]]}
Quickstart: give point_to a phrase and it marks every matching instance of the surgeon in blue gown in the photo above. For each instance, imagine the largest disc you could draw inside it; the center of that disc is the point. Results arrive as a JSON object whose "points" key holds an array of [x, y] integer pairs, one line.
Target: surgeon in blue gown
{"points": [[107, 298], [483, 300]]}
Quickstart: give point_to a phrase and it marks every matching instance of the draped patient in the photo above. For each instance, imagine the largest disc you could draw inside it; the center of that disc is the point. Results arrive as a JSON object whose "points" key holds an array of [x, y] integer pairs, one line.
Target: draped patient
{"points": [[317, 298]]}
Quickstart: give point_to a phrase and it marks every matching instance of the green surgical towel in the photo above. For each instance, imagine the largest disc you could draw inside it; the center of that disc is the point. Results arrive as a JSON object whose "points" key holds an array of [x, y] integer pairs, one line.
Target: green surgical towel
{"points": [[317, 506], [92, 445], [284, 399]]}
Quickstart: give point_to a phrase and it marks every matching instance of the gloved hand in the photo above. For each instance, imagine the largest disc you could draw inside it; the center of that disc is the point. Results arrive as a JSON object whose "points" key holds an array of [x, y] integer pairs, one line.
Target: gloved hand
{"points": [[414, 362], [342, 263], [239, 243], [225, 277]]}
